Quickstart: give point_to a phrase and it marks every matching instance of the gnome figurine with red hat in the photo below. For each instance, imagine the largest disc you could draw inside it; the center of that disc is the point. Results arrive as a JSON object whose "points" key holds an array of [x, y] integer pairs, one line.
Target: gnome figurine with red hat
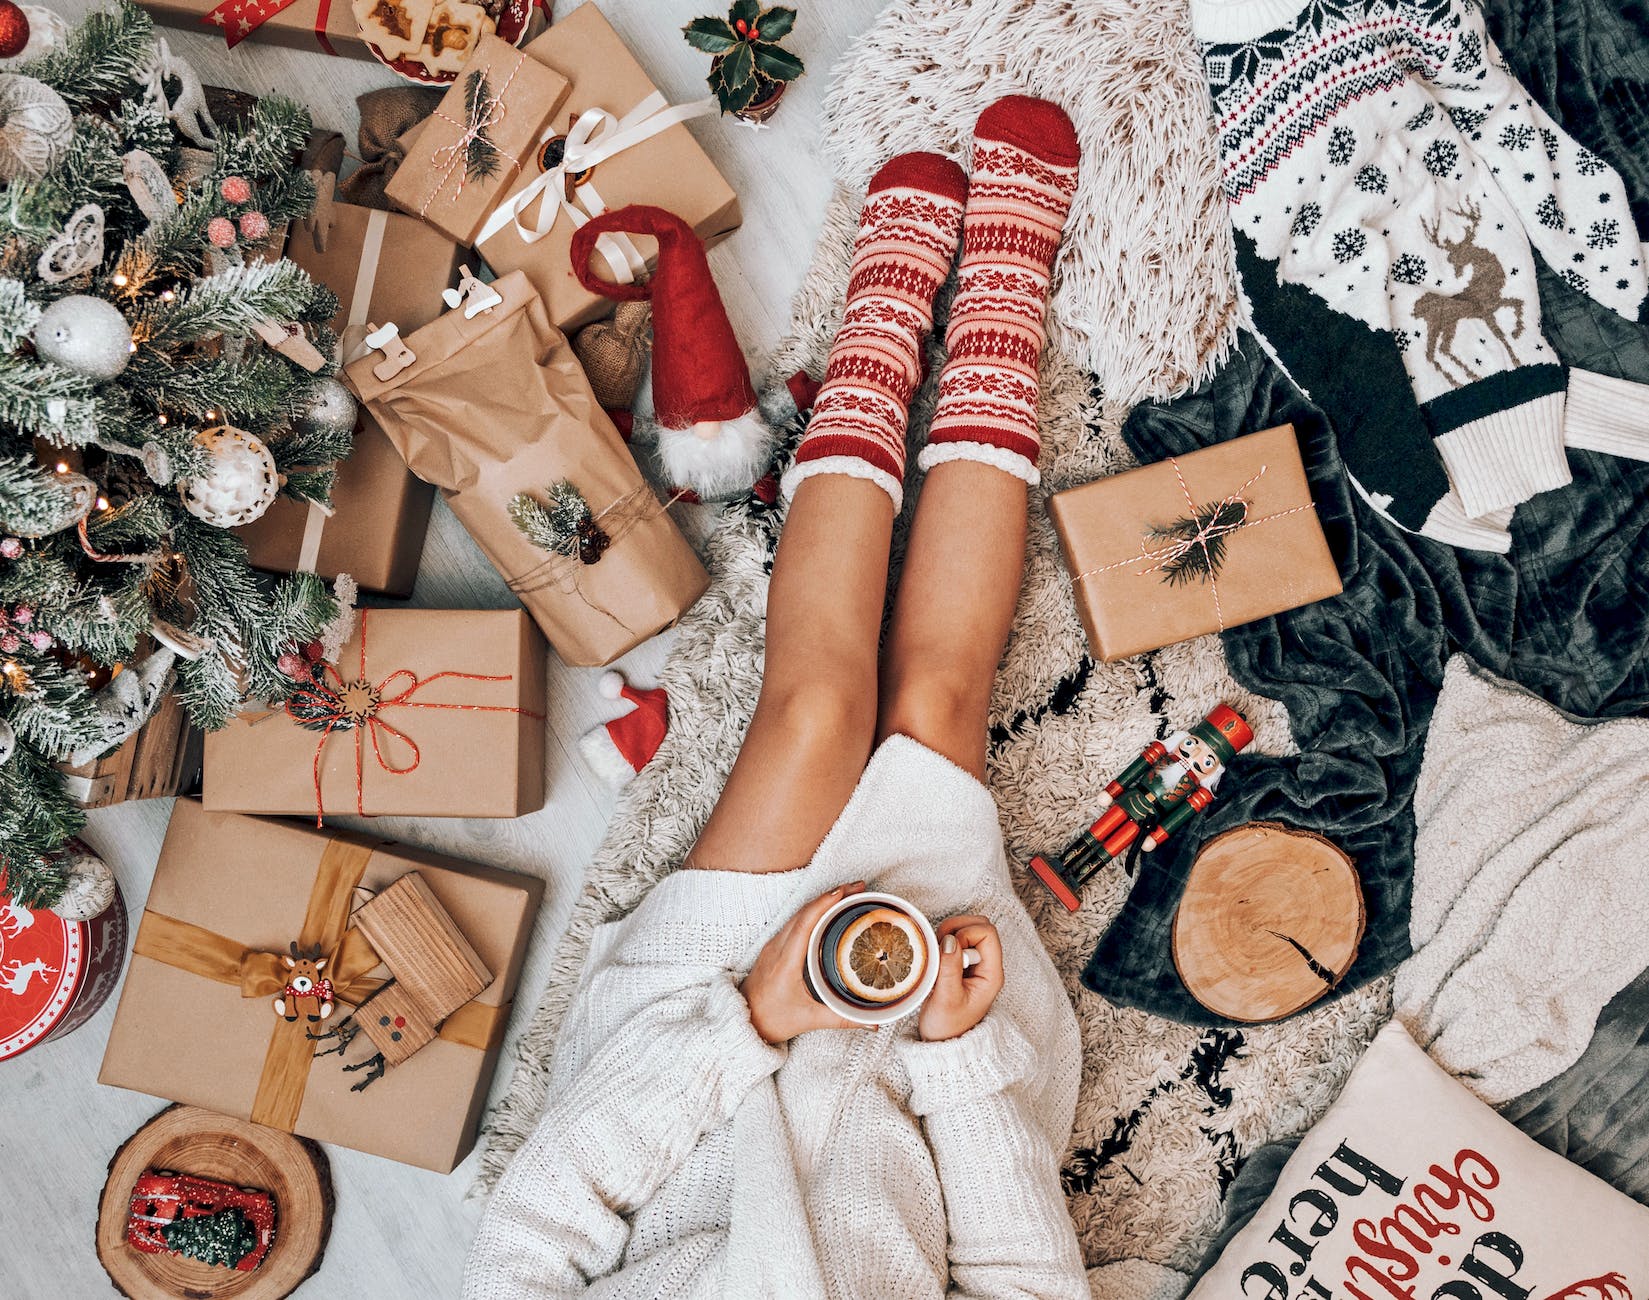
{"points": [[712, 438], [617, 750], [1166, 786]]}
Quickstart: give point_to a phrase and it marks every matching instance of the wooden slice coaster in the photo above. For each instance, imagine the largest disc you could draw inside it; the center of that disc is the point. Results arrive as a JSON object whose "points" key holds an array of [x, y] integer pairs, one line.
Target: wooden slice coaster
{"points": [[1269, 923], [188, 1140]]}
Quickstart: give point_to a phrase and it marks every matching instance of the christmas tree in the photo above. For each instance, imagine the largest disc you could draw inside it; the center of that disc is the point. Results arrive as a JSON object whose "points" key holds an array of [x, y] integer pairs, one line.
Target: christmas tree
{"points": [[225, 1237], [163, 375]]}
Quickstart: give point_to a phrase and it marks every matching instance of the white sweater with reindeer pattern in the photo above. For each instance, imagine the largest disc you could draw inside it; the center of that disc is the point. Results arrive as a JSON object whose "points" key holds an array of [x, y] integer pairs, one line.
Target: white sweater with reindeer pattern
{"points": [[1381, 155]]}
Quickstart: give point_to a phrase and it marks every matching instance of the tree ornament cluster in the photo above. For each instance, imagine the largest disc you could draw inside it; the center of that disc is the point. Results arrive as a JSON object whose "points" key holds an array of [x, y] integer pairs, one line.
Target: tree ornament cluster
{"points": [[147, 410]]}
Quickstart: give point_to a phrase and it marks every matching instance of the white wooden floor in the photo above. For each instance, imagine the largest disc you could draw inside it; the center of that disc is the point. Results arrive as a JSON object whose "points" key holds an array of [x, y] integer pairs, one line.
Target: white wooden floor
{"points": [[402, 1232]]}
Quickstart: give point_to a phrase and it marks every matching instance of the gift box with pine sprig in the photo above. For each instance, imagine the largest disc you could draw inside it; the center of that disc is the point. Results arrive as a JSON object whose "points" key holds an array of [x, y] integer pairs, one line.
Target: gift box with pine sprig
{"points": [[1193, 544], [160, 370]]}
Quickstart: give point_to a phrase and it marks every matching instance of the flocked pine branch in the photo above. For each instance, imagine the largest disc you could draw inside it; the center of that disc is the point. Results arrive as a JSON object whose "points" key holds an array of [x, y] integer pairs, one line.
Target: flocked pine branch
{"points": [[231, 302], [100, 59]]}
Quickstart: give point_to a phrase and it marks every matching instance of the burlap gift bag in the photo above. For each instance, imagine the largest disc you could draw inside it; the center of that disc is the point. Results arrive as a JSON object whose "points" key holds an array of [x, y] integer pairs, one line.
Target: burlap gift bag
{"points": [[494, 406]]}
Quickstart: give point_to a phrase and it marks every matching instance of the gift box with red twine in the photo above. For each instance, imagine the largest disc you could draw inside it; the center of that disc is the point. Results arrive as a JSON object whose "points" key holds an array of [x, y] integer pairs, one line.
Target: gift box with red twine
{"points": [[1193, 544], [442, 712]]}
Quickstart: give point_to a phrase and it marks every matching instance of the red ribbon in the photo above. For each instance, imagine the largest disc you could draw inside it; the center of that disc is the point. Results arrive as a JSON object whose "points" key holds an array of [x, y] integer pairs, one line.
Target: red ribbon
{"points": [[240, 18], [319, 706]]}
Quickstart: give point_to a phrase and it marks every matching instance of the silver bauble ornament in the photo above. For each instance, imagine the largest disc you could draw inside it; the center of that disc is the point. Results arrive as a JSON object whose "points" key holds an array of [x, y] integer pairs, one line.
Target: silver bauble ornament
{"points": [[35, 127], [90, 888], [239, 485], [331, 408], [8, 741], [86, 335]]}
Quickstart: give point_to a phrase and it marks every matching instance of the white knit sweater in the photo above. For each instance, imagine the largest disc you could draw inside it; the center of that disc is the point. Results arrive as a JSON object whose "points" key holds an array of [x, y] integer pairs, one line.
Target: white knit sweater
{"points": [[680, 1155]]}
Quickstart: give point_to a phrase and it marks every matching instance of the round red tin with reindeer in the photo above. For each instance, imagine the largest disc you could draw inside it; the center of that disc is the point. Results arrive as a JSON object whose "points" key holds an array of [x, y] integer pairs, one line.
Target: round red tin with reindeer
{"points": [[55, 974]]}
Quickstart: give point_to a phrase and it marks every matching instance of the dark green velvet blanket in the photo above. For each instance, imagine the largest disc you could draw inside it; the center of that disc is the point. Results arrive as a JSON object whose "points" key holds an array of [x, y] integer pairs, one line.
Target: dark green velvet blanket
{"points": [[1566, 614]]}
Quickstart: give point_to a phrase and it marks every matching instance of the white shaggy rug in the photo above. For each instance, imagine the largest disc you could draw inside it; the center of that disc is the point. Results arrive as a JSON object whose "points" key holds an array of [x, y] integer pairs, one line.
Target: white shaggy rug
{"points": [[1142, 308]]}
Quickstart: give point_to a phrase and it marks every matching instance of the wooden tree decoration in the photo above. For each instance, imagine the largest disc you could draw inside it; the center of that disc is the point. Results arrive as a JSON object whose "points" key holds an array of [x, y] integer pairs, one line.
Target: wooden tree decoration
{"points": [[1269, 923]]}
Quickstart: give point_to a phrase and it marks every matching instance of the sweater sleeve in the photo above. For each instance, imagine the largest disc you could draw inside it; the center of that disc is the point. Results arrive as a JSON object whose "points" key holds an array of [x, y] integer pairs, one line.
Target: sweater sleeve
{"points": [[1572, 204], [1010, 1231], [674, 1071]]}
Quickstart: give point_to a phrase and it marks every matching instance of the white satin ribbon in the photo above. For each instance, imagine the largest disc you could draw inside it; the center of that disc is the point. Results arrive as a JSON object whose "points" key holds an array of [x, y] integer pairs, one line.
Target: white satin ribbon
{"points": [[595, 137]]}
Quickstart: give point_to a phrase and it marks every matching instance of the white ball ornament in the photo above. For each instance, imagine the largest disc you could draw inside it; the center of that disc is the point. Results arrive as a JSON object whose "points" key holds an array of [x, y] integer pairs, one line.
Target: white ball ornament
{"points": [[240, 484], [36, 127], [90, 888], [331, 409], [86, 335]]}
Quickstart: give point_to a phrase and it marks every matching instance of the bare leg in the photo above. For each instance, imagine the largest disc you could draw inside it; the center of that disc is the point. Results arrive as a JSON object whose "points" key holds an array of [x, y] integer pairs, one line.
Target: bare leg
{"points": [[811, 734], [956, 600]]}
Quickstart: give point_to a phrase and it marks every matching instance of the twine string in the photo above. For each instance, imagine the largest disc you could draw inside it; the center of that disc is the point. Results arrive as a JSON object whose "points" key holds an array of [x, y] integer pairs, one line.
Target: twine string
{"points": [[564, 573], [320, 703], [1174, 549], [483, 116]]}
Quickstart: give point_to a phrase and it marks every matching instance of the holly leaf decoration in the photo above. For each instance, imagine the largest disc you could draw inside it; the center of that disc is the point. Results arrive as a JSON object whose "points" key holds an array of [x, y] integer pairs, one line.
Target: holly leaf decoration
{"points": [[1201, 560], [775, 24], [730, 98], [748, 10], [738, 66], [774, 63], [712, 35]]}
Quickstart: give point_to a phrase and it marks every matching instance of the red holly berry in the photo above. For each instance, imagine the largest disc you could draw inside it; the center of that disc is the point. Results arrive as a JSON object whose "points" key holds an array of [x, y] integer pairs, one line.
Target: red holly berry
{"points": [[14, 29], [741, 27], [755, 33]]}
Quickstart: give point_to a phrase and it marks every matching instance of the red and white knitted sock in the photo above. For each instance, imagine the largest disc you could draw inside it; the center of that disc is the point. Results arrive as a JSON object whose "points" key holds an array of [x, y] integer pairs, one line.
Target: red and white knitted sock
{"points": [[1024, 173], [907, 238]]}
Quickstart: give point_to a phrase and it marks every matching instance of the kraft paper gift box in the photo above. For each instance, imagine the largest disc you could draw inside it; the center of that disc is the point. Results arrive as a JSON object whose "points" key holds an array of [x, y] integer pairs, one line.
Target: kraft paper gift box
{"points": [[433, 713], [383, 267], [496, 405], [667, 169], [229, 895], [479, 142], [325, 25], [1134, 544]]}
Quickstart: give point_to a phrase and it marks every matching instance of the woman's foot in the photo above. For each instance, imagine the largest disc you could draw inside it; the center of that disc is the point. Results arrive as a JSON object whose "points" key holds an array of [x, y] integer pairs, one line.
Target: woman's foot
{"points": [[1025, 157], [907, 237]]}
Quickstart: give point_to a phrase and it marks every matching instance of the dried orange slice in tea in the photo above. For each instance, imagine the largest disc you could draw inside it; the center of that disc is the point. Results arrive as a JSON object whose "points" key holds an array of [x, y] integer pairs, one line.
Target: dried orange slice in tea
{"points": [[881, 957]]}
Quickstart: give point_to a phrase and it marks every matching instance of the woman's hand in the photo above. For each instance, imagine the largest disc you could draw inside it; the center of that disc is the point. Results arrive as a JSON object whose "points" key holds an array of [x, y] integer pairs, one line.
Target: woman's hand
{"points": [[961, 997], [776, 989]]}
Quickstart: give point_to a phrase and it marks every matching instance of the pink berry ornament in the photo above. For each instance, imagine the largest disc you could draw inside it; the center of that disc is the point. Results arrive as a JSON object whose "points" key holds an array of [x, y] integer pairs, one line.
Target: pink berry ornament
{"points": [[235, 189], [23, 615], [220, 231], [293, 666], [254, 225], [41, 640], [313, 652], [10, 548], [10, 643]]}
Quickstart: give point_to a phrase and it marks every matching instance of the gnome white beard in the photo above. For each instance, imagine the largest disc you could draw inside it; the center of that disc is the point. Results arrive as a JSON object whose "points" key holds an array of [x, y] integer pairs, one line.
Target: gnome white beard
{"points": [[717, 459]]}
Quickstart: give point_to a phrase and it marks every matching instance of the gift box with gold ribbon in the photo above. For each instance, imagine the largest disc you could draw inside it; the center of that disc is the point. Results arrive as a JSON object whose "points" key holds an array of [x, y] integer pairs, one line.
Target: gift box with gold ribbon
{"points": [[424, 713], [1193, 544], [233, 899]]}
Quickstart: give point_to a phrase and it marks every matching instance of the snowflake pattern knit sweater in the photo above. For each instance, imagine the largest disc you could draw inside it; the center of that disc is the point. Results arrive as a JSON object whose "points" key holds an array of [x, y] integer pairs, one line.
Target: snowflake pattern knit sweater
{"points": [[1377, 153], [679, 1155]]}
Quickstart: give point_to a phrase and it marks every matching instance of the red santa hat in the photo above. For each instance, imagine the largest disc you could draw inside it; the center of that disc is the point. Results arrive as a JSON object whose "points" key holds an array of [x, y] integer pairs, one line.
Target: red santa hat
{"points": [[619, 749], [712, 437]]}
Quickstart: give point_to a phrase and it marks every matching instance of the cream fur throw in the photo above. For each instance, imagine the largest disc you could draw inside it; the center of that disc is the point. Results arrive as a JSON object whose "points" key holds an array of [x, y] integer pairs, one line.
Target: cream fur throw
{"points": [[1165, 1111], [1531, 886]]}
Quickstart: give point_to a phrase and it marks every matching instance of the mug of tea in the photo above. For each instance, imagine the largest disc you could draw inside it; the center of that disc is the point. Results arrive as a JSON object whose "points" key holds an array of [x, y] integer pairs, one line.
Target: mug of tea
{"points": [[873, 958]]}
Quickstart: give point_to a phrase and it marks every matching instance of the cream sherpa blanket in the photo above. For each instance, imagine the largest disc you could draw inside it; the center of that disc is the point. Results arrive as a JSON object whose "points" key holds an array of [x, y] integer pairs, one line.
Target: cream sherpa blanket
{"points": [[1531, 884]]}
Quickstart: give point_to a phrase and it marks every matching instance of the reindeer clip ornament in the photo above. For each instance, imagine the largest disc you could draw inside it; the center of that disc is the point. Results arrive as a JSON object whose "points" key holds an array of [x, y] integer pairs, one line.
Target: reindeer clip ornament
{"points": [[305, 985]]}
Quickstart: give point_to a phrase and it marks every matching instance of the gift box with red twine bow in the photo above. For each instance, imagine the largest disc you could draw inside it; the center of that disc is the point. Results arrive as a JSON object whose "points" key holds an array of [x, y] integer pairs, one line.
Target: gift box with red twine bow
{"points": [[427, 713], [1193, 544]]}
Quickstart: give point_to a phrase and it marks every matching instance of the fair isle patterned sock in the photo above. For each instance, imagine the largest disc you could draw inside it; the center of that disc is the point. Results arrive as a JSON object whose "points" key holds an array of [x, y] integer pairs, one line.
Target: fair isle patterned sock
{"points": [[907, 238], [1024, 174]]}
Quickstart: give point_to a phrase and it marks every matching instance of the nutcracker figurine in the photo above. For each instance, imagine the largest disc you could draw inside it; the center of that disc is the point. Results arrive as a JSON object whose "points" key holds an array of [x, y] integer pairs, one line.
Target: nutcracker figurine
{"points": [[1168, 784]]}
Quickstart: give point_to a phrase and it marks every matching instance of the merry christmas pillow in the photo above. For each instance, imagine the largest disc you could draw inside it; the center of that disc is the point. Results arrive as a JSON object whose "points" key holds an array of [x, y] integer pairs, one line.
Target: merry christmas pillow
{"points": [[1409, 1188]]}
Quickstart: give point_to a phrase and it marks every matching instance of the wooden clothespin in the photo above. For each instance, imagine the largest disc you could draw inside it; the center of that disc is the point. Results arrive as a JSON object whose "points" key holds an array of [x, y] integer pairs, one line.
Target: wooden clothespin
{"points": [[288, 339], [475, 296], [397, 355]]}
